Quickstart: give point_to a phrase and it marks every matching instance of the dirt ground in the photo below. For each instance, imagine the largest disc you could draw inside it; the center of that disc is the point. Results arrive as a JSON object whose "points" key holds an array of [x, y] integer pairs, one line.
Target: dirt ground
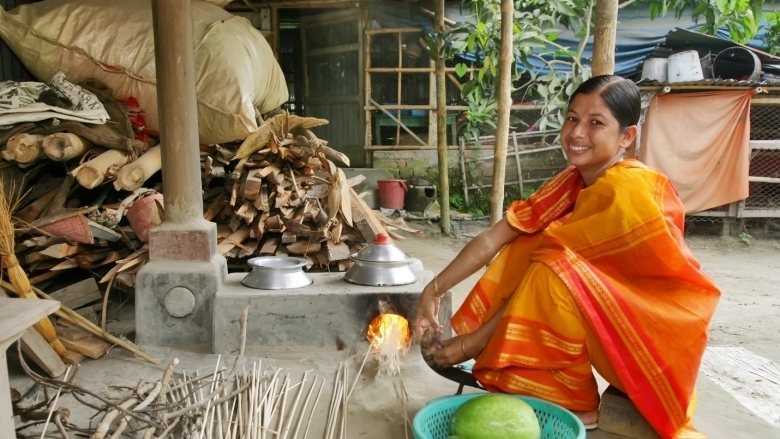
{"points": [[731, 404]]}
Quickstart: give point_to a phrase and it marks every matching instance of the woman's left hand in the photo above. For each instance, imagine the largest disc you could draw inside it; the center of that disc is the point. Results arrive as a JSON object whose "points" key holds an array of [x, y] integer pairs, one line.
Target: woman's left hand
{"points": [[453, 351]]}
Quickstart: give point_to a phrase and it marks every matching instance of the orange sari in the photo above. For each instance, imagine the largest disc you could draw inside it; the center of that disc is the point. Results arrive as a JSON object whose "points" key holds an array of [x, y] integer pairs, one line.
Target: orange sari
{"points": [[601, 277]]}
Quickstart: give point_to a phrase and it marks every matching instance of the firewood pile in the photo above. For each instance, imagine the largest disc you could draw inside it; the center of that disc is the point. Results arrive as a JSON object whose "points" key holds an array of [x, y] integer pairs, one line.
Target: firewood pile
{"points": [[83, 206]]}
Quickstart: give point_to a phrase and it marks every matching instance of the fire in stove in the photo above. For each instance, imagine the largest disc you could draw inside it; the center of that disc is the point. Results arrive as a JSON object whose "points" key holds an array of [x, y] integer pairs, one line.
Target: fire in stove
{"points": [[389, 330]]}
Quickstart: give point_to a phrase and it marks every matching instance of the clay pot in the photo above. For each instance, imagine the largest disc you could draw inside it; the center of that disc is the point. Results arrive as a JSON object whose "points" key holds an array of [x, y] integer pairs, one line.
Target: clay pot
{"points": [[144, 215]]}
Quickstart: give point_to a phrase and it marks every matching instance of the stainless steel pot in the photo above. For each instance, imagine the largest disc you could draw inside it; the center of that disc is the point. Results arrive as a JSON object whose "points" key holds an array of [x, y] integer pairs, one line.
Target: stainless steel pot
{"points": [[276, 273], [381, 264]]}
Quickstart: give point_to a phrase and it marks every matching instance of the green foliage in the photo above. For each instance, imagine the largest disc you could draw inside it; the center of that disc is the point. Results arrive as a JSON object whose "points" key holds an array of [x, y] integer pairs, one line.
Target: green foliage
{"points": [[745, 238], [772, 38]]}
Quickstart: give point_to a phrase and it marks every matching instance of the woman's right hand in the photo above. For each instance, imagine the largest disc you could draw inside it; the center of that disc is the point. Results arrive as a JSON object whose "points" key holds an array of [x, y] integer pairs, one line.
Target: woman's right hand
{"points": [[427, 312]]}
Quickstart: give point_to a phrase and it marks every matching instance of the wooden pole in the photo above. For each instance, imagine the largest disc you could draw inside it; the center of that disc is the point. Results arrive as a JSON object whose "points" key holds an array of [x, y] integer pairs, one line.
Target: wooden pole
{"points": [[604, 37], [441, 128], [505, 60]]}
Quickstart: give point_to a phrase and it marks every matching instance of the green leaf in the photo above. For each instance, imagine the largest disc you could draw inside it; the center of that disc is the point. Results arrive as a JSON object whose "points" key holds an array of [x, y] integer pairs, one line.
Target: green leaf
{"points": [[721, 5], [461, 69], [655, 9]]}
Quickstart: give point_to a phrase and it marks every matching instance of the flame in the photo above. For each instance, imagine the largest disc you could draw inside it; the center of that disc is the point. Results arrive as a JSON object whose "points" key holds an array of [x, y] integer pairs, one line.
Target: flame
{"points": [[389, 328]]}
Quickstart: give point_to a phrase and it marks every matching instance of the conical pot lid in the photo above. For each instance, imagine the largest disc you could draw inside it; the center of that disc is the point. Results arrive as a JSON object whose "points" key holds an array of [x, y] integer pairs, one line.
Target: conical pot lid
{"points": [[381, 250]]}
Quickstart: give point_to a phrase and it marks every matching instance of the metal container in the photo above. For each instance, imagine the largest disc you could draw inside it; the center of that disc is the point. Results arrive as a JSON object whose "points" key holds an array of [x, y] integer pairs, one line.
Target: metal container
{"points": [[737, 63], [276, 273], [381, 264]]}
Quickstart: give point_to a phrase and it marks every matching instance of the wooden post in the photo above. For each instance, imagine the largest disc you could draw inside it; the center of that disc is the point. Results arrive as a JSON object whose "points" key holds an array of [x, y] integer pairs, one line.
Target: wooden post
{"points": [[441, 128], [604, 37], [505, 60]]}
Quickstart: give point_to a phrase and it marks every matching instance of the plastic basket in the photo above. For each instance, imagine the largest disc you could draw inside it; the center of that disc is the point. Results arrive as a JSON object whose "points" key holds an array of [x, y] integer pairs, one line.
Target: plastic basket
{"points": [[433, 420]]}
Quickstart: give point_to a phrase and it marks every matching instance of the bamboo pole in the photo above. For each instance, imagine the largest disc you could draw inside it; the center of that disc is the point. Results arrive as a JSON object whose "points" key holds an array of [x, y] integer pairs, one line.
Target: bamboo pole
{"points": [[398, 89], [604, 37], [24, 149], [133, 175], [62, 147], [441, 127], [92, 173], [367, 84], [505, 60], [398, 121]]}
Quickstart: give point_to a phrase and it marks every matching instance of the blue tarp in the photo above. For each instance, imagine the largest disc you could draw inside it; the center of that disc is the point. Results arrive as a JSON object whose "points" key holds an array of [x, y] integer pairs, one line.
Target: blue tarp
{"points": [[637, 35]]}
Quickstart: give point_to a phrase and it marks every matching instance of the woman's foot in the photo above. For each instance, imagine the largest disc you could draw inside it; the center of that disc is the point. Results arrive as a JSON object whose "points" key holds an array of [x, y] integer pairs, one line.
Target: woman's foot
{"points": [[589, 419]]}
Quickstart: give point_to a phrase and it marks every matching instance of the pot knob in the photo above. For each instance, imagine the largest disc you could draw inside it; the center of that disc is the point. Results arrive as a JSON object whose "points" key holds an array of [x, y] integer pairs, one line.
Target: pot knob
{"points": [[382, 239]]}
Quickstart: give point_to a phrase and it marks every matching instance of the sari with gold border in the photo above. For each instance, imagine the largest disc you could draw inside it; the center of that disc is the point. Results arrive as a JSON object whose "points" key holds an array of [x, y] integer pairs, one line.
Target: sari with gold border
{"points": [[600, 276]]}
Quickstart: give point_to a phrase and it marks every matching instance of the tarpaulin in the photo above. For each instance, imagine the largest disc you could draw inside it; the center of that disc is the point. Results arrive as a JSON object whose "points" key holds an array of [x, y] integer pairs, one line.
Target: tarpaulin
{"points": [[701, 141]]}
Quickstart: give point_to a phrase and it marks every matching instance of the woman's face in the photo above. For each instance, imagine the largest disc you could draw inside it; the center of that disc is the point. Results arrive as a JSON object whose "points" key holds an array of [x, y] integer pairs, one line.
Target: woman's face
{"points": [[591, 135]]}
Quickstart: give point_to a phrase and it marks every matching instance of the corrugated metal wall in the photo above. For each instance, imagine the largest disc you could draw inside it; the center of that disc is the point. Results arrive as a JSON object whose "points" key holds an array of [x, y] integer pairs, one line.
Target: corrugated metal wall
{"points": [[11, 69]]}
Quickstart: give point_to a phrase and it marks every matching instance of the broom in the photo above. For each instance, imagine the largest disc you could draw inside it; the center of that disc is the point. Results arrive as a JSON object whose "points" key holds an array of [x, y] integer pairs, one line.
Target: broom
{"points": [[17, 276]]}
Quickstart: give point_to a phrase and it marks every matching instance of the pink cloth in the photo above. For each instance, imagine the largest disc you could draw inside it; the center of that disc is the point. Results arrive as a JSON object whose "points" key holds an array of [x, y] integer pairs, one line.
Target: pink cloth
{"points": [[701, 141]]}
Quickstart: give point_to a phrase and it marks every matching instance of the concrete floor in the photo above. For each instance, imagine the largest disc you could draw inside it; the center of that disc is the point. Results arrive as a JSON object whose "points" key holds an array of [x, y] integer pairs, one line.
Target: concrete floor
{"points": [[747, 317]]}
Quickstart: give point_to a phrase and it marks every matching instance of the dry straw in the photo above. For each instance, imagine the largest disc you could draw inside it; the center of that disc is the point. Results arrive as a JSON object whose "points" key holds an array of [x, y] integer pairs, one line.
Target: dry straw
{"points": [[17, 275]]}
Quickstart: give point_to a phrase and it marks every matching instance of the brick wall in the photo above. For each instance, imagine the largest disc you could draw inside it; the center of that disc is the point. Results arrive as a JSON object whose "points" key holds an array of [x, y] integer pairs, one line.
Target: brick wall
{"points": [[424, 164]]}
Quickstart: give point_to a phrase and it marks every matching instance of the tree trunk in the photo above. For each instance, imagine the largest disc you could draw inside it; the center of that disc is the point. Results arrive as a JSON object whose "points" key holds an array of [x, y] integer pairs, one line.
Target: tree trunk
{"points": [[505, 60], [604, 37], [441, 128]]}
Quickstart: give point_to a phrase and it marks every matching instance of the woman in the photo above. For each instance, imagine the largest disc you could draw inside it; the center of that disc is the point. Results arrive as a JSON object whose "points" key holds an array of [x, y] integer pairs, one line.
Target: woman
{"points": [[593, 272]]}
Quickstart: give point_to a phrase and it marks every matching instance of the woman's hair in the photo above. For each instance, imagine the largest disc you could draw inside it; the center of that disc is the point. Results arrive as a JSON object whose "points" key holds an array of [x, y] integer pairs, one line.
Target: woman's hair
{"points": [[620, 95]]}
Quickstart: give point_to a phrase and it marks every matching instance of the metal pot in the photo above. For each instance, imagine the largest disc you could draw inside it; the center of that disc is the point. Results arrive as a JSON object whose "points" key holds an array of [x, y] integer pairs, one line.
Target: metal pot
{"points": [[276, 273], [381, 264]]}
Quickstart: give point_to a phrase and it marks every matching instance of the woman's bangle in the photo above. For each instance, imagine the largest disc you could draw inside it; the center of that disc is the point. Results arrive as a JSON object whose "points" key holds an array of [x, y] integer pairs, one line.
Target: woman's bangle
{"points": [[436, 286]]}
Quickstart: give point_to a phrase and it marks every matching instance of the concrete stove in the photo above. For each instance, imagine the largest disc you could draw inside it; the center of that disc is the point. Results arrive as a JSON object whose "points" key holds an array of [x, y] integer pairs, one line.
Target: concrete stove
{"points": [[314, 315]]}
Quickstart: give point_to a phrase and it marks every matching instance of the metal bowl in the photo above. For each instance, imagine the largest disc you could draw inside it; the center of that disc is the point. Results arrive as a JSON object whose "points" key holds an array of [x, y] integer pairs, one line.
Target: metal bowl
{"points": [[276, 273], [380, 274]]}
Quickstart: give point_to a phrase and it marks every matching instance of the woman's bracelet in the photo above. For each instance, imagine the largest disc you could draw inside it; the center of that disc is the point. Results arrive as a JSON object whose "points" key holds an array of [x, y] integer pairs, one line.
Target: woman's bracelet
{"points": [[436, 286]]}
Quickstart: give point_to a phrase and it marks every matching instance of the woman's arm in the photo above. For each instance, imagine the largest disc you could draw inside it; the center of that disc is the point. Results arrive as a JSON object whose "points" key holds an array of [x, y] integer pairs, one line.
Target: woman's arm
{"points": [[475, 255]]}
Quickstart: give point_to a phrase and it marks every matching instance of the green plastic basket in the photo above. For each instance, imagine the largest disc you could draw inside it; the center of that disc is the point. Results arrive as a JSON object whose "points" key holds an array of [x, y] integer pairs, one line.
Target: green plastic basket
{"points": [[433, 420]]}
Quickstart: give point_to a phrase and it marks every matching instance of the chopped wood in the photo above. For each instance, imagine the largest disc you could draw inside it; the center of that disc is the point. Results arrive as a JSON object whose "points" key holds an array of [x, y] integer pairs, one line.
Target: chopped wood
{"points": [[274, 224], [398, 223], [132, 175], [34, 210], [337, 252], [24, 149], [62, 147], [303, 247], [252, 187], [58, 202], [59, 251], [72, 333], [247, 212], [364, 219], [92, 173], [268, 170], [249, 248], [78, 294], [223, 231], [91, 347], [231, 241], [39, 350], [73, 358], [288, 237], [270, 245], [356, 180], [215, 207]]}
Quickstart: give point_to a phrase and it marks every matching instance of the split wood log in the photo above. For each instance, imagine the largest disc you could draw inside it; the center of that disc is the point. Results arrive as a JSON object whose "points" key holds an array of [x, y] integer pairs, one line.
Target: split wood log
{"points": [[215, 207], [92, 173], [34, 210], [62, 147], [133, 175], [252, 187], [270, 246], [91, 347], [235, 238], [24, 149], [58, 202], [337, 252], [304, 247], [364, 219]]}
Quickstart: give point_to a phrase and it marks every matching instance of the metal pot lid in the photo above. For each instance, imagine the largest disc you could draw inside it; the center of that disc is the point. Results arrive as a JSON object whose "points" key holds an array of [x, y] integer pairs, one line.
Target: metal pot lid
{"points": [[382, 250]]}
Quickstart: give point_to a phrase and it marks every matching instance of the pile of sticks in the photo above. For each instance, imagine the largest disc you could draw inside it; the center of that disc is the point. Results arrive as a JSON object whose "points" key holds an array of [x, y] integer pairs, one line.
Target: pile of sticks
{"points": [[223, 404]]}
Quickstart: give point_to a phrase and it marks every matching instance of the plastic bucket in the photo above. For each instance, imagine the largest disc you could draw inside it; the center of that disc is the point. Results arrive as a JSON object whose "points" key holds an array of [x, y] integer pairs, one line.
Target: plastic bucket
{"points": [[685, 66], [655, 69], [391, 193], [737, 63]]}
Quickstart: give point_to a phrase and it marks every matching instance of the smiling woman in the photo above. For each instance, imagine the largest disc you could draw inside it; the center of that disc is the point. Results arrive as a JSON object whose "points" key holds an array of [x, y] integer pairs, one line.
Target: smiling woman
{"points": [[591, 271], [600, 124]]}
